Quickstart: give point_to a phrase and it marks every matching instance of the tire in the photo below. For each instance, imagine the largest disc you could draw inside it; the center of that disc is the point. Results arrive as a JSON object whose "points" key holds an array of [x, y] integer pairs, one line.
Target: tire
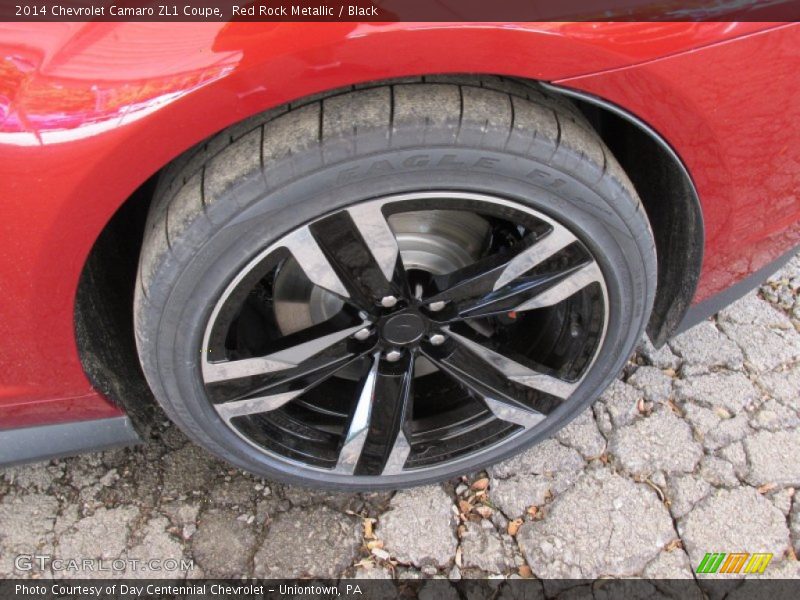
{"points": [[519, 159]]}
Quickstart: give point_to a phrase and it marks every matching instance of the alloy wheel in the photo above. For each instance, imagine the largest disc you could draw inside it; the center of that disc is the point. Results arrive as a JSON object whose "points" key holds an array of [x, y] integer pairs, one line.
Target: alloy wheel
{"points": [[404, 333]]}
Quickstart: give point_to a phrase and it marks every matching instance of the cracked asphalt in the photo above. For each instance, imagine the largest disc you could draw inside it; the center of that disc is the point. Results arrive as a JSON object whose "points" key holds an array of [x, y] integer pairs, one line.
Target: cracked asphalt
{"points": [[694, 449]]}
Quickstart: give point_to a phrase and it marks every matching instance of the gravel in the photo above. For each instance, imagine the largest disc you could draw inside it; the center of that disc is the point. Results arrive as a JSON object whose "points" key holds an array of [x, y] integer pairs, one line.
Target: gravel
{"points": [[28, 523], [655, 385], [764, 349], [308, 543], [418, 528], [606, 525], [684, 492], [483, 548], [704, 347], [660, 442], [672, 564], [219, 528], [759, 526], [695, 448], [774, 457], [731, 392], [583, 435]]}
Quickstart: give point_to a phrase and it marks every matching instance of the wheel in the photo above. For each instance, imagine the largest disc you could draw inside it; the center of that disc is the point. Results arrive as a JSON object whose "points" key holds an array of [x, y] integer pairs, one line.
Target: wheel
{"points": [[392, 285]]}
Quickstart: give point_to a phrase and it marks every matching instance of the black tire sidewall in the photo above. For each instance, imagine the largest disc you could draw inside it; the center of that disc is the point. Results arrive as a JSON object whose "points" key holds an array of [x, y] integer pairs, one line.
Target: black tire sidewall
{"points": [[214, 250]]}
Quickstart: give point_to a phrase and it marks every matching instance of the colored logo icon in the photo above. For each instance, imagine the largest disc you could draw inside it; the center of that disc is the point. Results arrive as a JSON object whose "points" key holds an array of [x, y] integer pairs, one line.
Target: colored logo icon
{"points": [[733, 563]]}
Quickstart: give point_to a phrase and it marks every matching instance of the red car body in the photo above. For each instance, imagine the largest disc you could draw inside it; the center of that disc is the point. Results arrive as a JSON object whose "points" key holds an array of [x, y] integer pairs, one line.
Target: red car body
{"points": [[90, 111]]}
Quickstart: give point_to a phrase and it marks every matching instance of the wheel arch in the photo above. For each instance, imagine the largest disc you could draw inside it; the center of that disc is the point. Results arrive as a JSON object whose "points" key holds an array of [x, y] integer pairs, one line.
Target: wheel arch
{"points": [[670, 199]]}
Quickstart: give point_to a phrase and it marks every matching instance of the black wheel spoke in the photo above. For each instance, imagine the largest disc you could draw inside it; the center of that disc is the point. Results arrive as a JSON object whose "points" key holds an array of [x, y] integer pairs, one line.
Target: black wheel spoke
{"points": [[376, 441], [362, 250], [530, 293], [262, 384], [516, 372], [279, 390], [512, 391], [497, 273], [297, 349], [315, 264]]}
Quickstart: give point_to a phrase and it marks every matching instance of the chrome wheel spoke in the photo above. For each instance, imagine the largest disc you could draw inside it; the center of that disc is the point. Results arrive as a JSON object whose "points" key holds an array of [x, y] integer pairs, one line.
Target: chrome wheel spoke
{"points": [[506, 411], [519, 373], [564, 287], [257, 405], [529, 293], [287, 358], [308, 254], [498, 275], [512, 391], [557, 239], [376, 441], [268, 391], [377, 235], [363, 252]]}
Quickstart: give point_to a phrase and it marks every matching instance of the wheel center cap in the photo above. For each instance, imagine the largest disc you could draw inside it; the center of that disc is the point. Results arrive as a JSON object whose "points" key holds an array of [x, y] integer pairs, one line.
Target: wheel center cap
{"points": [[403, 328]]}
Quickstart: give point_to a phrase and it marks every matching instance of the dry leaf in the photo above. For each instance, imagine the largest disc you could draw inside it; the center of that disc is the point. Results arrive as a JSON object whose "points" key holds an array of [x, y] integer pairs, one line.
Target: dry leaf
{"points": [[374, 544], [525, 571], [481, 484], [670, 372], [513, 526], [483, 511], [464, 506], [532, 511], [380, 553], [368, 533], [365, 563], [458, 556], [767, 487], [657, 489], [722, 413], [676, 543]]}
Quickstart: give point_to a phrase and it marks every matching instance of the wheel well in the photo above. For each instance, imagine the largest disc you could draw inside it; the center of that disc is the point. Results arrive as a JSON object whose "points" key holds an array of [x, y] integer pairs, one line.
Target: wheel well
{"points": [[670, 200], [104, 301], [104, 310]]}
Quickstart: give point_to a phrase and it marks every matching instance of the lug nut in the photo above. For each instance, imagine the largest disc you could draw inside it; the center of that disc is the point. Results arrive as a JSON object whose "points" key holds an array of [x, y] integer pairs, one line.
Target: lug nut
{"points": [[393, 355], [437, 339], [362, 334], [436, 306], [388, 301]]}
